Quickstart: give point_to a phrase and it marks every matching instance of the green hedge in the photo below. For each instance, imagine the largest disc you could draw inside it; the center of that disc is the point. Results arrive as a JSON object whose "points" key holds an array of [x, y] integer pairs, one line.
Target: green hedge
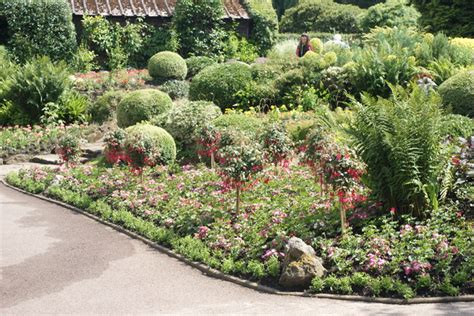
{"points": [[142, 105], [264, 24], [454, 17], [219, 83], [39, 27], [322, 16], [393, 13]]}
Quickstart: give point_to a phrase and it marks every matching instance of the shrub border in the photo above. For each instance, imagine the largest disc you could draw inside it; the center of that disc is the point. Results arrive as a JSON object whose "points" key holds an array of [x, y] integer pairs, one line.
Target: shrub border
{"points": [[246, 283]]}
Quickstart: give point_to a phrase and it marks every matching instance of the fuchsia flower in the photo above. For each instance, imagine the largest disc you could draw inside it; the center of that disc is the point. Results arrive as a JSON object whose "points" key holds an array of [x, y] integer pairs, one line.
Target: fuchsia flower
{"points": [[202, 232]]}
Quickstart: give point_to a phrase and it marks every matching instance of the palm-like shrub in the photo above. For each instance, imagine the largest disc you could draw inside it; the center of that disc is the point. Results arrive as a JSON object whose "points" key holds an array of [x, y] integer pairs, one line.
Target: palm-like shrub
{"points": [[399, 140]]}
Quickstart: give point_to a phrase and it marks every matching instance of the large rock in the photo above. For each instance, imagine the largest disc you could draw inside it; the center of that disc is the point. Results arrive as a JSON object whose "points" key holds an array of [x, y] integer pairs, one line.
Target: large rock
{"points": [[301, 264]]}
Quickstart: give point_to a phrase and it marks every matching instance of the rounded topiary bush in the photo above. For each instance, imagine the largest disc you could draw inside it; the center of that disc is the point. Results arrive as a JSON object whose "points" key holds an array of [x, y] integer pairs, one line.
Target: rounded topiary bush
{"points": [[197, 63], [219, 83], [161, 141], [185, 119], [458, 93], [166, 66], [141, 105]]}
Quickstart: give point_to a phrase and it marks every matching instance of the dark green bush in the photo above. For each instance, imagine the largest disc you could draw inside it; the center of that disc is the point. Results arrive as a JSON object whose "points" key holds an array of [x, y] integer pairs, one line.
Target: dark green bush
{"points": [[167, 66], [142, 105], [219, 83], [199, 27], [360, 3], [322, 16], [392, 13], [155, 39], [39, 27], [454, 17], [35, 84], [264, 22], [458, 93], [176, 89], [105, 106], [197, 63], [161, 140]]}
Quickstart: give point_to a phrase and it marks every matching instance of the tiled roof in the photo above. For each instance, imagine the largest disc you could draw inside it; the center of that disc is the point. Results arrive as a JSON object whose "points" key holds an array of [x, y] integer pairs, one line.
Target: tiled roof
{"points": [[146, 8]]}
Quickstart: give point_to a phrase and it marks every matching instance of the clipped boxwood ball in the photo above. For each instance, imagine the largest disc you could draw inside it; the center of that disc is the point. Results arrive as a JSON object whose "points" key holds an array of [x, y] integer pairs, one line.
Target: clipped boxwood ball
{"points": [[142, 105], [458, 93], [167, 66], [197, 63], [219, 83], [162, 141]]}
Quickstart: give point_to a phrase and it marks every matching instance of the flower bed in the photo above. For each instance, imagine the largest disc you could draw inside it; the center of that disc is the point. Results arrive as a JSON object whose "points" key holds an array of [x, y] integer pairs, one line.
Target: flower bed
{"points": [[192, 211], [34, 139]]}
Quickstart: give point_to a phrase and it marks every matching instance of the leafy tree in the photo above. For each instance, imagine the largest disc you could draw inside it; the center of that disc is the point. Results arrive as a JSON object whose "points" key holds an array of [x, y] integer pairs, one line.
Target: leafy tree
{"points": [[454, 17], [199, 27]]}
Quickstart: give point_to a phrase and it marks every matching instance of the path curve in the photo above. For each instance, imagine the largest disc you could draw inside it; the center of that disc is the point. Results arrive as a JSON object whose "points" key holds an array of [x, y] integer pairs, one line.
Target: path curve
{"points": [[56, 261]]}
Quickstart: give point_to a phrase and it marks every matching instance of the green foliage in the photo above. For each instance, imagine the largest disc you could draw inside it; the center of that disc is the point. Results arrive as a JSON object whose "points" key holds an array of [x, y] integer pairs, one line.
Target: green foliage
{"points": [[265, 24], [186, 119], [456, 125], [197, 63], [35, 84], [282, 5], [155, 39], [321, 16], [83, 60], [111, 42], [360, 3], [176, 89], [239, 48], [142, 105], [458, 93], [238, 122], [39, 28], [399, 140], [199, 27], [105, 106], [167, 66], [451, 16], [161, 143], [219, 83], [393, 13]]}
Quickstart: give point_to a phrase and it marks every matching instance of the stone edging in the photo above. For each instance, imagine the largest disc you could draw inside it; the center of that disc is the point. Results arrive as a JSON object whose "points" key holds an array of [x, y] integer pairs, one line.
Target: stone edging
{"points": [[246, 283]]}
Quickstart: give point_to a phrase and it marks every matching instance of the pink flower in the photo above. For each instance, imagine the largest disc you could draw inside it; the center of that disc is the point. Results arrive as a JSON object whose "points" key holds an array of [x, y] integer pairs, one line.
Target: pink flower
{"points": [[407, 270], [202, 232]]}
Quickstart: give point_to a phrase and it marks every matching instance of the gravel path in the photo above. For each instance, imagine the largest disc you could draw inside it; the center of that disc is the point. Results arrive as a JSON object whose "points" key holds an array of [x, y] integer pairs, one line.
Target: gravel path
{"points": [[54, 261]]}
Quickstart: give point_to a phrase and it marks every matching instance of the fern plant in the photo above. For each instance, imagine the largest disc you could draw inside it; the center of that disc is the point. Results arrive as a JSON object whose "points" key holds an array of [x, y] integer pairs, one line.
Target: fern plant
{"points": [[399, 140]]}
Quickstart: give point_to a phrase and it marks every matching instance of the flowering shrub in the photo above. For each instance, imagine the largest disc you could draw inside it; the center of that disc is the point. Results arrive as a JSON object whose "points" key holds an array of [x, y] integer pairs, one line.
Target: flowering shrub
{"points": [[208, 140], [277, 146], [69, 148], [114, 146], [238, 166]]}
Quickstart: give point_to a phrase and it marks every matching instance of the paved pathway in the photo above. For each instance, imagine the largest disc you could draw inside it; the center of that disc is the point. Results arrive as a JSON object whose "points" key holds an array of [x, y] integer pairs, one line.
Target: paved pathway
{"points": [[54, 261]]}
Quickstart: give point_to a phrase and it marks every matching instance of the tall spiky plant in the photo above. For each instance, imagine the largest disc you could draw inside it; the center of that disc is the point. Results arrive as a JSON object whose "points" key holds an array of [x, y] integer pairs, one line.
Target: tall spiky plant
{"points": [[399, 140]]}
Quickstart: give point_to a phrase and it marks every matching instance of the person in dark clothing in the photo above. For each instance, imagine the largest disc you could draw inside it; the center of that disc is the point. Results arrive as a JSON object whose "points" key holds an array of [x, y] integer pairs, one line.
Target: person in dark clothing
{"points": [[304, 45]]}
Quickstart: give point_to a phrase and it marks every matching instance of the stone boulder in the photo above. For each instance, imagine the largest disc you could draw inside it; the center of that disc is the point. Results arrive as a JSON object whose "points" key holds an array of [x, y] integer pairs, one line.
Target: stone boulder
{"points": [[301, 265]]}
